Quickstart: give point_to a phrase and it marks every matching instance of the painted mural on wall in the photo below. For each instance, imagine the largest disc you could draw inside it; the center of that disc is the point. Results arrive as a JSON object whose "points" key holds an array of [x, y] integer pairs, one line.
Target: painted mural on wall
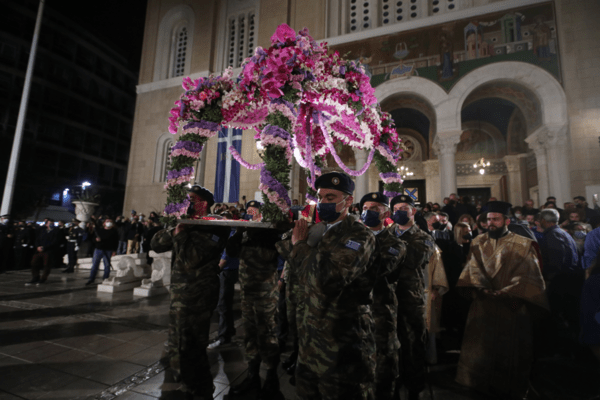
{"points": [[446, 52]]}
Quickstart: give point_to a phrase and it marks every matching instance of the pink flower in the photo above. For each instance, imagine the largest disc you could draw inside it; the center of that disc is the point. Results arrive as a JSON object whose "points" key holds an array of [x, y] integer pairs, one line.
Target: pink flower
{"points": [[283, 34]]}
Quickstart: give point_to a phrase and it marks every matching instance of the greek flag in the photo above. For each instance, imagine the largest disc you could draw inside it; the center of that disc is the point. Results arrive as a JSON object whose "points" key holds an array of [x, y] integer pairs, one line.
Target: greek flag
{"points": [[227, 180]]}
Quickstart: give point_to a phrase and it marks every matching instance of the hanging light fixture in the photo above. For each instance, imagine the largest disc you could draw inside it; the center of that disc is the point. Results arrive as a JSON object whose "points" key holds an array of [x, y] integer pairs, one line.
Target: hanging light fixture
{"points": [[481, 164], [404, 171]]}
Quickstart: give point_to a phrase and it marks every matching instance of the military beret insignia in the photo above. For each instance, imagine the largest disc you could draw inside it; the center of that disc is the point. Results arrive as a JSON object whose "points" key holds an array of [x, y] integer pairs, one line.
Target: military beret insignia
{"points": [[374, 196], [352, 245], [335, 180], [393, 251]]}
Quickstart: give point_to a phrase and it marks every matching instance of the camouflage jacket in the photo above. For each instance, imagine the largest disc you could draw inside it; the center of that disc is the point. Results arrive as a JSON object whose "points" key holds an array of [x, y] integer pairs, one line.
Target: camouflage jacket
{"points": [[194, 264], [389, 256], [336, 333], [411, 283], [258, 257]]}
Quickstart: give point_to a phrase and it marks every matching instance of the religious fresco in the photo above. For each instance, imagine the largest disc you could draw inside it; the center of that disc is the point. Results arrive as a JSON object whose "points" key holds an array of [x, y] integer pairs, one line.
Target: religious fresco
{"points": [[444, 53]]}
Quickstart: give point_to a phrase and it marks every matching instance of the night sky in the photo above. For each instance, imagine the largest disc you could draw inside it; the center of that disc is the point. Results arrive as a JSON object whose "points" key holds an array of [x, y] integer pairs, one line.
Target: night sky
{"points": [[119, 23]]}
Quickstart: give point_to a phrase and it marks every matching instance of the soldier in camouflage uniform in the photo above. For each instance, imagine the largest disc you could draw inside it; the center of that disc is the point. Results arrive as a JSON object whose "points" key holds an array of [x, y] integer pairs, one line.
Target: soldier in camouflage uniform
{"points": [[411, 295], [259, 294], [194, 293], [389, 255], [333, 263]]}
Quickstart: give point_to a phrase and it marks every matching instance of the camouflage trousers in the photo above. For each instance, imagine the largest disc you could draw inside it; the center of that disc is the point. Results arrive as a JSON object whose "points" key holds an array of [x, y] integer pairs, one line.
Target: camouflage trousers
{"points": [[310, 386], [386, 339], [412, 334], [259, 309], [188, 338]]}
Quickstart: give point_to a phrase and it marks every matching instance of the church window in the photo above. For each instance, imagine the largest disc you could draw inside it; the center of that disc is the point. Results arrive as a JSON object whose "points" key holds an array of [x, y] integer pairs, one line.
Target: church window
{"points": [[167, 159], [241, 32], [180, 47]]}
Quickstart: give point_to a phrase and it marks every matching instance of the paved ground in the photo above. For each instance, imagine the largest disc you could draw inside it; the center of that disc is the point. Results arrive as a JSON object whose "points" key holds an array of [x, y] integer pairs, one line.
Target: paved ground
{"points": [[63, 340]]}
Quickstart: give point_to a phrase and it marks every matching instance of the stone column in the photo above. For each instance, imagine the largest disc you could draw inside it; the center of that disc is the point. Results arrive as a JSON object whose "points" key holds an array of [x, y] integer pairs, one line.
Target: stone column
{"points": [[444, 146], [431, 169], [362, 181], [536, 143], [558, 165], [517, 179]]}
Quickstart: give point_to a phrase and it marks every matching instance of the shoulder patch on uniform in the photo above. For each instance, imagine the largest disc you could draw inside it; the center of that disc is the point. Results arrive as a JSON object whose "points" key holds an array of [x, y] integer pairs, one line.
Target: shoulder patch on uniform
{"points": [[429, 243], [215, 238], [353, 245], [393, 251]]}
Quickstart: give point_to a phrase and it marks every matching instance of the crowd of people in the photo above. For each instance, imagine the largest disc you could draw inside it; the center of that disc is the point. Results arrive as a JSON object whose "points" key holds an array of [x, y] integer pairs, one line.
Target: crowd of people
{"points": [[365, 294], [43, 246], [367, 300]]}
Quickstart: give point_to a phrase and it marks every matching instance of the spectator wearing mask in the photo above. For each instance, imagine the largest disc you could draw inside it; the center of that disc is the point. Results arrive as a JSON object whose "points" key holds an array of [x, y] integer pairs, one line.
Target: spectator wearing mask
{"points": [[582, 204], [107, 241]]}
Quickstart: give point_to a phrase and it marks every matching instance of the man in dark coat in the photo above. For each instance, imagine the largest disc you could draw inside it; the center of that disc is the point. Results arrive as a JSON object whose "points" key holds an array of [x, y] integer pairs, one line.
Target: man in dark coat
{"points": [[194, 293], [411, 295], [333, 261], [47, 242]]}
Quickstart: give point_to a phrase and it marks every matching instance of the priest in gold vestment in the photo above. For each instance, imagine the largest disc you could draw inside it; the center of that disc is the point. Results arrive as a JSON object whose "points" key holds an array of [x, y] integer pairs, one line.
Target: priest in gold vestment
{"points": [[503, 278]]}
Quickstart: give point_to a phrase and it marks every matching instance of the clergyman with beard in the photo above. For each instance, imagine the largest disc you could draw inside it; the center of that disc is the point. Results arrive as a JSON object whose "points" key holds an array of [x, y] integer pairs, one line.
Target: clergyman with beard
{"points": [[503, 277]]}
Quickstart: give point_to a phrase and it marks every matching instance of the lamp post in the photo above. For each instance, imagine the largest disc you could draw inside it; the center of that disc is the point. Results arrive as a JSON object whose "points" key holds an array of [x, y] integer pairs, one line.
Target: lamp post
{"points": [[9, 186]]}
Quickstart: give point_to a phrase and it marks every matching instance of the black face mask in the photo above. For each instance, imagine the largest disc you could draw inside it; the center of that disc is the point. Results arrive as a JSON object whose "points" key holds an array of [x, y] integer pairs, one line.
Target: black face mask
{"points": [[579, 205], [441, 226], [436, 225], [467, 237]]}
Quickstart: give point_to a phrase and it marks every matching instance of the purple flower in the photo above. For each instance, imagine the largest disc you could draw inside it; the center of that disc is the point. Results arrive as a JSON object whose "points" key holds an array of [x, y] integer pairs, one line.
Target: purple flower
{"points": [[189, 146], [386, 175], [174, 174], [211, 126], [276, 131], [177, 207], [273, 184], [391, 194], [342, 70]]}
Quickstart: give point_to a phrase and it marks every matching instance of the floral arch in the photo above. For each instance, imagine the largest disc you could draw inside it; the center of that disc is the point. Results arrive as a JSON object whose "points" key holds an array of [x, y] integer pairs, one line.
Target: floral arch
{"points": [[302, 101]]}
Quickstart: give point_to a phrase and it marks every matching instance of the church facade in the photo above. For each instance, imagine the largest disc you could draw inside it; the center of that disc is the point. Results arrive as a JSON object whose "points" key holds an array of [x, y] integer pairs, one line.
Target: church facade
{"points": [[513, 83]]}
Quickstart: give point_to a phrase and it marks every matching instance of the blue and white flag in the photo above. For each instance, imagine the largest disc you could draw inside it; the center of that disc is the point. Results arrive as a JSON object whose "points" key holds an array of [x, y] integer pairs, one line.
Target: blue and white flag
{"points": [[227, 180]]}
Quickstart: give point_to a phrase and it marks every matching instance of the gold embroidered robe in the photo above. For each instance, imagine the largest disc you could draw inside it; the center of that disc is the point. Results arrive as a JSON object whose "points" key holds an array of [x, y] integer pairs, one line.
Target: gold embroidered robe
{"points": [[496, 352], [436, 279]]}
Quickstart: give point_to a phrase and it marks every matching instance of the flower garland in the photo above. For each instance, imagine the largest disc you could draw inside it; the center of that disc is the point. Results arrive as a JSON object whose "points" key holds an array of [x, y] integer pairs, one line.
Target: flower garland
{"points": [[388, 152], [302, 101], [199, 111]]}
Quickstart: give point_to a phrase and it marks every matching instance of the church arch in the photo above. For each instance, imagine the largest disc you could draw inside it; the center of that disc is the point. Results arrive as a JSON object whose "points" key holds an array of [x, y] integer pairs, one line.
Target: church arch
{"points": [[161, 159], [174, 43]]}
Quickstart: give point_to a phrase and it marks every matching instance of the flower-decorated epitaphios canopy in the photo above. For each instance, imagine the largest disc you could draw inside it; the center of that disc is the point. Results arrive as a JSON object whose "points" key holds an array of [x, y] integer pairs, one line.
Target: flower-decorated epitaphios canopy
{"points": [[302, 101]]}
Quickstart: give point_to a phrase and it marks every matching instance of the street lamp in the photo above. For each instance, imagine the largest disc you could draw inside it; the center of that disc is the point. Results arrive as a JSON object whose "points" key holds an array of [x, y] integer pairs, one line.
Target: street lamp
{"points": [[85, 184]]}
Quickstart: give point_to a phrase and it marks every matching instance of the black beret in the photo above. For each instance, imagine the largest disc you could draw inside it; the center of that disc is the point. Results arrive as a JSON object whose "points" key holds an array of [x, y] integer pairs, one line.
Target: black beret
{"points": [[402, 199], [335, 180], [204, 193], [253, 203], [500, 207], [376, 197]]}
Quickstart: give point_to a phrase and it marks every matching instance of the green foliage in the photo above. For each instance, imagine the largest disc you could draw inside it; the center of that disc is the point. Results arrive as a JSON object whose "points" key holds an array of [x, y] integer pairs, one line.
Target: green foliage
{"points": [[280, 120], [384, 165]]}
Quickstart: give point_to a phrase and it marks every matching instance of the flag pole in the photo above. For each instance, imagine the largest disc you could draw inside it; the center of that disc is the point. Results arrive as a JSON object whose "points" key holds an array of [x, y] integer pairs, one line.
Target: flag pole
{"points": [[9, 186]]}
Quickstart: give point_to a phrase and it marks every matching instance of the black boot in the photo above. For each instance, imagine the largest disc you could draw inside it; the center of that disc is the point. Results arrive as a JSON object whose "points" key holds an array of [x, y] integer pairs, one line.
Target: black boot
{"points": [[270, 389], [252, 381]]}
